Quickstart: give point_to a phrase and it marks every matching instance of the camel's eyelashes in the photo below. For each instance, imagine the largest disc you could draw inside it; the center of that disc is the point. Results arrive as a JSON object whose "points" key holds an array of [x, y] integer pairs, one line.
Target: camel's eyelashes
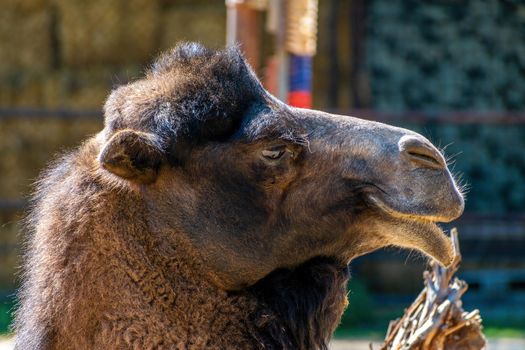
{"points": [[273, 154]]}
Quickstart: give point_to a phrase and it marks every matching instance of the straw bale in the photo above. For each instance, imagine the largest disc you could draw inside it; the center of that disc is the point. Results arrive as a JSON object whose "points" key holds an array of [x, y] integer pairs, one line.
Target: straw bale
{"points": [[24, 5], [77, 89], [106, 32], [65, 88], [21, 88], [10, 226], [84, 88], [205, 24], [28, 144], [179, 3], [25, 39]]}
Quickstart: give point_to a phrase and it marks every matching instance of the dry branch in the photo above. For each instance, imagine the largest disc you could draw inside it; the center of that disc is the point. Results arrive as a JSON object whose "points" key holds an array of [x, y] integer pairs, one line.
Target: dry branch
{"points": [[436, 319]]}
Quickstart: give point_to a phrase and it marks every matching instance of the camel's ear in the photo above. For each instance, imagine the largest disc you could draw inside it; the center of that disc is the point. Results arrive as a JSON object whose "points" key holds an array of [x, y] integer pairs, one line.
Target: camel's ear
{"points": [[132, 155]]}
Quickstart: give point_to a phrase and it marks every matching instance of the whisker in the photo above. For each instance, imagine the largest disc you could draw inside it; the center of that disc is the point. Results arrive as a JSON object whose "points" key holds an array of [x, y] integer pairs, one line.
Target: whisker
{"points": [[444, 148]]}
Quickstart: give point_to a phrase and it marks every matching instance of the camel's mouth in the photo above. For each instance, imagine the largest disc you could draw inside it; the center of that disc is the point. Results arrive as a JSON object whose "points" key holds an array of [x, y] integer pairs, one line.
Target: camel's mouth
{"points": [[403, 215], [413, 231]]}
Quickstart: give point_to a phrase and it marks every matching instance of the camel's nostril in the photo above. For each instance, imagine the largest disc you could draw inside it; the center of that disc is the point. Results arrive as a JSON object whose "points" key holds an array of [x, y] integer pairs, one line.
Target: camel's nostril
{"points": [[424, 158], [421, 152]]}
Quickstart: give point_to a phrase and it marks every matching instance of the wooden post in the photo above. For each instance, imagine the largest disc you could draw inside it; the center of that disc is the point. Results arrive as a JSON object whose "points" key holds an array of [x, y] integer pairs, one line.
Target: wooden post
{"points": [[294, 24], [280, 50], [243, 28]]}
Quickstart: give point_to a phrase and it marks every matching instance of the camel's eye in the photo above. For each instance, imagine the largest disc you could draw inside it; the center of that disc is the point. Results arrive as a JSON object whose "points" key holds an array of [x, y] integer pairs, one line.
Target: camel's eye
{"points": [[274, 153]]}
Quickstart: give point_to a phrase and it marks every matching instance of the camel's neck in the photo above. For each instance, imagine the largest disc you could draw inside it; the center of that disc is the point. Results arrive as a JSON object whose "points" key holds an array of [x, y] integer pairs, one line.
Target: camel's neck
{"points": [[124, 288], [289, 309]]}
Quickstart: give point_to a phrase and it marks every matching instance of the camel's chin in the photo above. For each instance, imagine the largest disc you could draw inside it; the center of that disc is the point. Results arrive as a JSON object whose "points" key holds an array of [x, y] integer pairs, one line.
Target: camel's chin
{"points": [[416, 232]]}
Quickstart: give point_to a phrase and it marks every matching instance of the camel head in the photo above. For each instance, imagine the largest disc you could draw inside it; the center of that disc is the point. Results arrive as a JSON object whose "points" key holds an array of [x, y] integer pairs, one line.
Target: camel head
{"points": [[255, 185]]}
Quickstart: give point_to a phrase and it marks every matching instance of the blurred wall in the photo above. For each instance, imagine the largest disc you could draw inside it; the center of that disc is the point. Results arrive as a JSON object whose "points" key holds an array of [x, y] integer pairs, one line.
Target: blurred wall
{"points": [[62, 53]]}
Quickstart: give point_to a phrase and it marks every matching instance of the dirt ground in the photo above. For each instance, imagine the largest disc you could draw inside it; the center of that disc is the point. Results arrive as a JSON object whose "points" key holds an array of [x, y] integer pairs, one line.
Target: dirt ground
{"points": [[494, 344]]}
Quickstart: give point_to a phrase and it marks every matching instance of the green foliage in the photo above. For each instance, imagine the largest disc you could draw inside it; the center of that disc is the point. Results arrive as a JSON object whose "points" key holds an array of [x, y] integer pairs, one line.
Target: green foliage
{"points": [[360, 309], [363, 318], [6, 315]]}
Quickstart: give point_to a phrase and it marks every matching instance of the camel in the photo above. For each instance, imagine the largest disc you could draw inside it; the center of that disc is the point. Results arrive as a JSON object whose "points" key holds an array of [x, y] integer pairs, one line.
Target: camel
{"points": [[208, 214]]}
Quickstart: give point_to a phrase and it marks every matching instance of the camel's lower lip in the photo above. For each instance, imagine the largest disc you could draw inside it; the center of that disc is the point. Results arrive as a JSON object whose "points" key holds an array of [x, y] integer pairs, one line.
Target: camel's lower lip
{"points": [[430, 239], [417, 232]]}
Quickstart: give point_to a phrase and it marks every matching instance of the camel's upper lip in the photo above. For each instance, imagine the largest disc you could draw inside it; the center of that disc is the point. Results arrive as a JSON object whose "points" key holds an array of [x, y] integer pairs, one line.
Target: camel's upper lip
{"points": [[397, 214]]}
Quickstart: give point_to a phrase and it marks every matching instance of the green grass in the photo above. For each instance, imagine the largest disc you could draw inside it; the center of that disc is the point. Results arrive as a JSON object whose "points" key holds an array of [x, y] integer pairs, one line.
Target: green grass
{"points": [[504, 332], [375, 333], [6, 315]]}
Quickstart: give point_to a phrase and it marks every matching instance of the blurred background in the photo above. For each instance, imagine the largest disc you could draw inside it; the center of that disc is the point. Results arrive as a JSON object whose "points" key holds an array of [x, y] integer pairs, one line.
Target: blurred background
{"points": [[453, 70]]}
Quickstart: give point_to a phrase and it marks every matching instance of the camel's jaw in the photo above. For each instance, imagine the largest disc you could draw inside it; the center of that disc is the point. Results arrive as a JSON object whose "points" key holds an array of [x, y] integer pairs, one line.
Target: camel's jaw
{"points": [[415, 231]]}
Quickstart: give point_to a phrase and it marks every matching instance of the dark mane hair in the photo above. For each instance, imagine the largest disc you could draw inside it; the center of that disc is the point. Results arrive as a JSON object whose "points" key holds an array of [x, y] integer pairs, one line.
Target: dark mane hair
{"points": [[303, 306], [190, 94]]}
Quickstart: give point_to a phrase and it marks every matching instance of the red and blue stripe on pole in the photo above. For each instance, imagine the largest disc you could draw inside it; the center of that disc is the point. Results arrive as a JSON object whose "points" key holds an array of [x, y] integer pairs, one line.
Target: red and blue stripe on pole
{"points": [[300, 88]]}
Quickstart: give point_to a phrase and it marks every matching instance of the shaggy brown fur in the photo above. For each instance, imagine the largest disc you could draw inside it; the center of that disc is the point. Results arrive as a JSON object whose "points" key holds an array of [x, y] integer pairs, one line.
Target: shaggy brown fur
{"points": [[109, 282], [207, 214]]}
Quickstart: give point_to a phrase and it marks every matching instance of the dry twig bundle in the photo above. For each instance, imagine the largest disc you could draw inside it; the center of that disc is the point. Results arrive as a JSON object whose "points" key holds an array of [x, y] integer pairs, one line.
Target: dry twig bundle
{"points": [[436, 319]]}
